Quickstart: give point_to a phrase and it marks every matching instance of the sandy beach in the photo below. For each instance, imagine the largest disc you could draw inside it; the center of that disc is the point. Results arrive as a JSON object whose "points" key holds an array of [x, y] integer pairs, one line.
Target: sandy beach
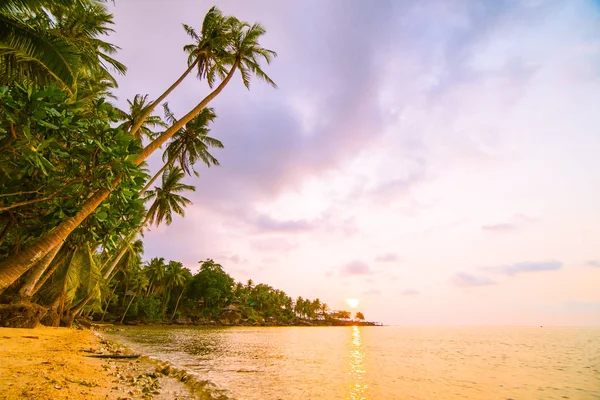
{"points": [[53, 363]]}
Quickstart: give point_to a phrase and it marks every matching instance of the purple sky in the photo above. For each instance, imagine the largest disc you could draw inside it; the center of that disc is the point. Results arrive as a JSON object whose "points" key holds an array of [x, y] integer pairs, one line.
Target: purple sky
{"points": [[437, 160]]}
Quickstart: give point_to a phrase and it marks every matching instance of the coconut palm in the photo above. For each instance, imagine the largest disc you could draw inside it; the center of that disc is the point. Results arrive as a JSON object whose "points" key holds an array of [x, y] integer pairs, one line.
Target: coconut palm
{"points": [[136, 109], [54, 41], [175, 277], [166, 198], [155, 271], [166, 201], [206, 54], [245, 54], [189, 145]]}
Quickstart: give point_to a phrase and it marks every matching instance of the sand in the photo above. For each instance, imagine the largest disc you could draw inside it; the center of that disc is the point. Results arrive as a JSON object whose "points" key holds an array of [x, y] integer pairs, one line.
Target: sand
{"points": [[49, 363]]}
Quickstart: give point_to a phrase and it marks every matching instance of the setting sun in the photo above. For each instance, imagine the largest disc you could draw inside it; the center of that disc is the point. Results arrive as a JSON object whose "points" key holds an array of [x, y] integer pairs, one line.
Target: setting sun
{"points": [[352, 303]]}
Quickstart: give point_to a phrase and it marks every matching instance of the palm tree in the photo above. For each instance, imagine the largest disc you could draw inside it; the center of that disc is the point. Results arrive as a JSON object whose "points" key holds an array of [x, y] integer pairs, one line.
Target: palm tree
{"points": [[166, 200], [136, 109], [155, 271], [205, 54], [54, 41], [174, 277], [189, 145], [246, 50], [138, 285]]}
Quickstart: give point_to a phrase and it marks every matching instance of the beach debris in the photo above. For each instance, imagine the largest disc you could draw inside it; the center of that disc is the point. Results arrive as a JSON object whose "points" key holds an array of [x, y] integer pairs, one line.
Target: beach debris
{"points": [[114, 356], [30, 337]]}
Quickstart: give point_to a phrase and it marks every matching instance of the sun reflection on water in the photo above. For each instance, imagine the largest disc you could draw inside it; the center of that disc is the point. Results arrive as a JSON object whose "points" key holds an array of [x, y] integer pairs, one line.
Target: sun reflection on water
{"points": [[359, 388]]}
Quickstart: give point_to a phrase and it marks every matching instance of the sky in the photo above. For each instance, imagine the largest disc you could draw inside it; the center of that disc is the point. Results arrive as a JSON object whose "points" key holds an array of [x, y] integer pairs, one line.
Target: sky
{"points": [[437, 160]]}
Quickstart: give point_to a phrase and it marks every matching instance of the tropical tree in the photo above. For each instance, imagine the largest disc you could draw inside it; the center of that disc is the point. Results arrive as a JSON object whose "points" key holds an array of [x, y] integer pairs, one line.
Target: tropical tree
{"points": [[189, 145], [174, 277], [244, 55], [206, 54], [166, 199], [211, 284], [359, 316], [54, 41], [137, 108], [155, 271]]}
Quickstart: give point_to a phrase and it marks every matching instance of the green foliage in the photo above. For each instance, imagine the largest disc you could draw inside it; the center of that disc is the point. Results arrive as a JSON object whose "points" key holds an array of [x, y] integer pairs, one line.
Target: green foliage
{"points": [[149, 308], [211, 284], [59, 152]]}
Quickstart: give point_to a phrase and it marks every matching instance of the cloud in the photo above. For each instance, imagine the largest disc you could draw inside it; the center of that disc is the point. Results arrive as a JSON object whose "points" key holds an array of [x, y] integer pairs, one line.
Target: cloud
{"points": [[520, 221], [266, 223], [593, 263], [389, 257], [518, 268], [409, 292], [462, 279], [356, 268], [371, 292], [499, 228]]}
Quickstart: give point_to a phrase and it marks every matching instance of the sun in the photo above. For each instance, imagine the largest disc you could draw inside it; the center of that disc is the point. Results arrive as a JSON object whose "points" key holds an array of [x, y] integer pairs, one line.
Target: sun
{"points": [[352, 303]]}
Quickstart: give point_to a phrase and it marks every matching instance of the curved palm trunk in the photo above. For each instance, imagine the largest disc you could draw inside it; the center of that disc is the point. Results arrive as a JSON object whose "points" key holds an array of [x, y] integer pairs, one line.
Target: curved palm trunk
{"points": [[12, 268], [55, 264], [127, 309], [177, 304], [123, 249], [156, 102], [159, 141], [36, 273], [108, 302], [155, 177], [77, 309]]}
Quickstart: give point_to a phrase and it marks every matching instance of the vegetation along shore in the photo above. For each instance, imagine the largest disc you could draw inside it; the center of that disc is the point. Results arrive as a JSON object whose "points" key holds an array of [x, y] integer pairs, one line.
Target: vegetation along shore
{"points": [[76, 191]]}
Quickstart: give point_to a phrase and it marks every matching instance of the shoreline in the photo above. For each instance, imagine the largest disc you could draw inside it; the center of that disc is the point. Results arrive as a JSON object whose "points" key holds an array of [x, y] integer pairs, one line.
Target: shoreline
{"points": [[53, 363]]}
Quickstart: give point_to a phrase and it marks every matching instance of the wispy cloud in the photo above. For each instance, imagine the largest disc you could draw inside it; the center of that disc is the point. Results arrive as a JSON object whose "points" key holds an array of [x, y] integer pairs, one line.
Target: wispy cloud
{"points": [[463, 279], [409, 292], [499, 228], [356, 268], [593, 263], [522, 267], [519, 221], [266, 223], [388, 258]]}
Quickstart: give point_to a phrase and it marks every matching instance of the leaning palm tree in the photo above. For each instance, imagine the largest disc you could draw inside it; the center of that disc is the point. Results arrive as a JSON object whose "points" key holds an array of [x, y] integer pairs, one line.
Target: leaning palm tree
{"points": [[166, 201], [174, 277], [137, 108], [206, 54], [155, 271], [243, 52], [189, 145]]}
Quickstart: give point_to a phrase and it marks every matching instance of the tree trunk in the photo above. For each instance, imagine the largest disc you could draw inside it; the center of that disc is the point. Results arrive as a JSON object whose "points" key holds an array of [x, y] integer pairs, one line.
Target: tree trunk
{"points": [[6, 229], [55, 264], [12, 268], [77, 309], [124, 247], [155, 177], [108, 302], [27, 290], [156, 102], [177, 304], [159, 141], [127, 309]]}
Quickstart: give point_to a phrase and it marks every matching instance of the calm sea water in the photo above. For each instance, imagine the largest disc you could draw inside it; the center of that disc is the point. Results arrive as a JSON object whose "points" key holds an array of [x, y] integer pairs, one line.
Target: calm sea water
{"points": [[382, 362]]}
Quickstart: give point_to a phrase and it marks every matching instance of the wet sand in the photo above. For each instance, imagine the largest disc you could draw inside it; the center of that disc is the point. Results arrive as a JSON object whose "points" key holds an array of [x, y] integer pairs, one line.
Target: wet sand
{"points": [[50, 363]]}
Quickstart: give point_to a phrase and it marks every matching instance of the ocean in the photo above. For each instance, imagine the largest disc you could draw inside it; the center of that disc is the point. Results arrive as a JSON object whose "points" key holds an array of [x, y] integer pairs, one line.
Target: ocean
{"points": [[381, 362]]}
